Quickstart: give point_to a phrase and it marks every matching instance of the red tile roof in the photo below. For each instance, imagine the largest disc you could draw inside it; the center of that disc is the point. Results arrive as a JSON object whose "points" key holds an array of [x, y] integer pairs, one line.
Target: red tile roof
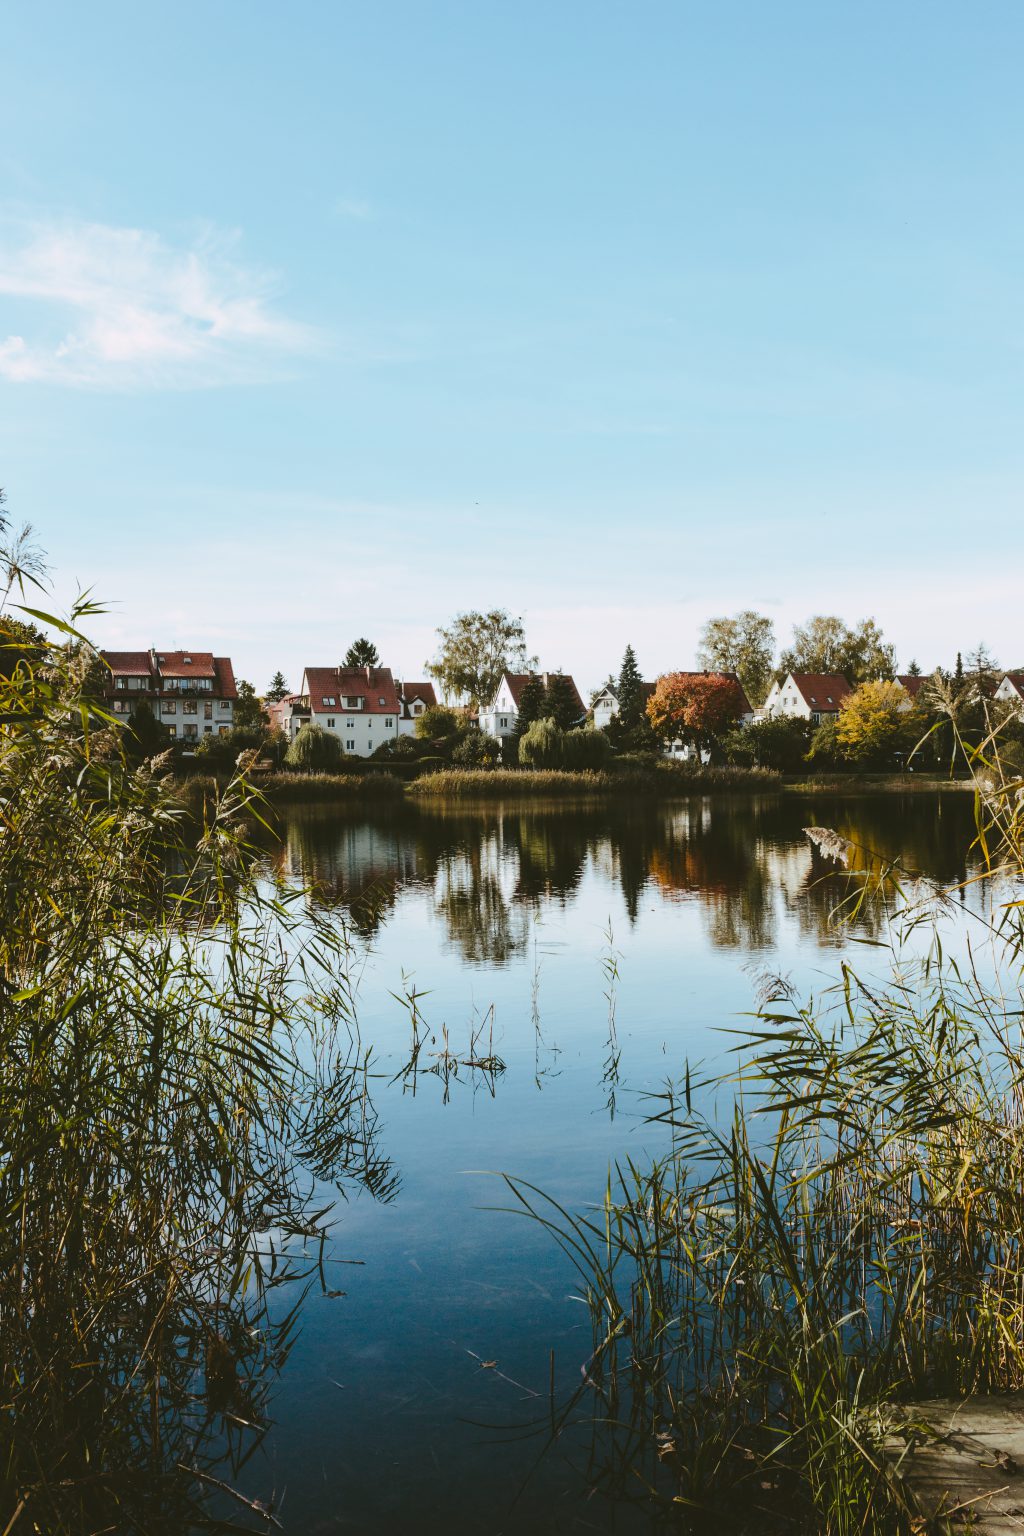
{"points": [[173, 664], [225, 674], [823, 691], [128, 663], [911, 684], [517, 681], [1016, 680], [424, 691], [371, 684]]}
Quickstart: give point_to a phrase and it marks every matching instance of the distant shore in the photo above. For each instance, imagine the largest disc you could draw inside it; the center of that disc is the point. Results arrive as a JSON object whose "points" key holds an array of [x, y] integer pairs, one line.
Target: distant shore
{"points": [[661, 781]]}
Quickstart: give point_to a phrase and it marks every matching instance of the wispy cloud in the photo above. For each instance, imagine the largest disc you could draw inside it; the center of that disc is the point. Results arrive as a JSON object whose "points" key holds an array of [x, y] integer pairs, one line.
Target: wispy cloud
{"points": [[108, 307], [355, 208]]}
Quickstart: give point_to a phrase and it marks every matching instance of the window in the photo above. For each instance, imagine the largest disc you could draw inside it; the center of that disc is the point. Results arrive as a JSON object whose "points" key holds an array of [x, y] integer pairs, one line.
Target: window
{"points": [[224, 704], [389, 722], [330, 725], [173, 729], [329, 700], [188, 706], [191, 730], [350, 725], [222, 730], [171, 708], [352, 701], [207, 730], [350, 746], [503, 722], [382, 701], [417, 709], [186, 661], [120, 682], [208, 709]]}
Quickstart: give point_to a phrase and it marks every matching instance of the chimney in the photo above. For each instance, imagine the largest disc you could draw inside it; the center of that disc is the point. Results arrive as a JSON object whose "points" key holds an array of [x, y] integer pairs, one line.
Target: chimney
{"points": [[369, 678]]}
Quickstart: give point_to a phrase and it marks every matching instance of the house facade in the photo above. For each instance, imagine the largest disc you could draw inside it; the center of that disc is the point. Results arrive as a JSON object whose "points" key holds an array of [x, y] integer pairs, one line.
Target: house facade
{"points": [[499, 718], [415, 700], [605, 707], [358, 705], [813, 696], [1011, 690], [192, 693]]}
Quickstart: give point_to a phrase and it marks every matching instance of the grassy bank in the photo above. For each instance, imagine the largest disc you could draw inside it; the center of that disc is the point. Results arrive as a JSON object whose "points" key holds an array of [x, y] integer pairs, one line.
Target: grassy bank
{"points": [[877, 783], [199, 792], [659, 779]]}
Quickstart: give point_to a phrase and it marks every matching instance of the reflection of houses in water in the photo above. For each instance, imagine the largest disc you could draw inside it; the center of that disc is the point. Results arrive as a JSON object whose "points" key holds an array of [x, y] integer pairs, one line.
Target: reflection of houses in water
{"points": [[360, 865]]}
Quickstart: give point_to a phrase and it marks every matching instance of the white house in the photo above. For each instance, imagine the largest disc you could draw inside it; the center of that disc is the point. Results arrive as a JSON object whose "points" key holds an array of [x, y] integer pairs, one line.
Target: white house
{"points": [[499, 717], [359, 705], [606, 705], [813, 696], [192, 693], [415, 700], [1011, 690]]}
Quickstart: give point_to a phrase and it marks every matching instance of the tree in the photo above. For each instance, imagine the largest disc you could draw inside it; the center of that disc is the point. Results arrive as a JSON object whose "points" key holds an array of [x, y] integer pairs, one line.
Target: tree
{"points": [[475, 650], [913, 670], [630, 691], [531, 704], [144, 736], [779, 742], [744, 644], [277, 691], [542, 745], [314, 750], [875, 724], [249, 714], [361, 653], [438, 723], [825, 644], [475, 750], [20, 642], [698, 707], [560, 702]]}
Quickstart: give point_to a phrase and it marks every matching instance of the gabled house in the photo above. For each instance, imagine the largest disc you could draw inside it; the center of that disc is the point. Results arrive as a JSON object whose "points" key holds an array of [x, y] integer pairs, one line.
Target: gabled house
{"points": [[606, 705], [415, 699], [499, 717], [1011, 690], [192, 693], [813, 696], [359, 705]]}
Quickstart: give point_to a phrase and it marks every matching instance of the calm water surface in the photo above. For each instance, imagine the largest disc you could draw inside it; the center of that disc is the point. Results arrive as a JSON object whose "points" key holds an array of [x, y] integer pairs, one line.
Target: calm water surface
{"points": [[521, 930]]}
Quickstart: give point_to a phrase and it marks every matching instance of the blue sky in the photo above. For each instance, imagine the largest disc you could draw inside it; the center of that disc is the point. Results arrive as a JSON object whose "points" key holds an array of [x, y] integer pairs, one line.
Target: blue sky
{"points": [[333, 319]]}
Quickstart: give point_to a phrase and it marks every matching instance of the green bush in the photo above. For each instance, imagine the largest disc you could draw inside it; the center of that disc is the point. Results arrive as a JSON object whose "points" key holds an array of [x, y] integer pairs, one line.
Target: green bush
{"points": [[541, 745], [475, 750]]}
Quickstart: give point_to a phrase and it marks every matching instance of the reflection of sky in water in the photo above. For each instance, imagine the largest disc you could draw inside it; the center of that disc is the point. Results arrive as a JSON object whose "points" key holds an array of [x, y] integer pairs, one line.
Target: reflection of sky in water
{"points": [[521, 912]]}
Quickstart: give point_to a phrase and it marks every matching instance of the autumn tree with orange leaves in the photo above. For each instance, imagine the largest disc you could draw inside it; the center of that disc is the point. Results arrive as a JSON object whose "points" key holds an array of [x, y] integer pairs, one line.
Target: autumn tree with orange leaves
{"points": [[695, 707]]}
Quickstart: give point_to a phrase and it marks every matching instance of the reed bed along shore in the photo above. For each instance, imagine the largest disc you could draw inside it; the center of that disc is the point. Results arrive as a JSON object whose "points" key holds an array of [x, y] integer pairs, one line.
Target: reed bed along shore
{"points": [[839, 1225], [657, 779]]}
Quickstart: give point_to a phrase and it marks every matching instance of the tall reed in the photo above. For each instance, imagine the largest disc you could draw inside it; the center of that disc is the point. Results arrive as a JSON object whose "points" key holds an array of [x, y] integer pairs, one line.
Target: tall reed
{"points": [[179, 1060], [837, 1225]]}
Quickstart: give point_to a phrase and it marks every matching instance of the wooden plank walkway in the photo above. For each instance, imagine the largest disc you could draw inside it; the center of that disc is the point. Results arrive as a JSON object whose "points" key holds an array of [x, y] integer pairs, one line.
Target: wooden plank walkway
{"points": [[960, 1462]]}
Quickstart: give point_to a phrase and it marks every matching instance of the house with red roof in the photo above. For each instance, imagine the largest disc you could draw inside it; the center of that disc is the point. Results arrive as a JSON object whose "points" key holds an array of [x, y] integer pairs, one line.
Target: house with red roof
{"points": [[605, 705], [359, 705], [192, 693], [415, 699], [499, 717], [813, 696]]}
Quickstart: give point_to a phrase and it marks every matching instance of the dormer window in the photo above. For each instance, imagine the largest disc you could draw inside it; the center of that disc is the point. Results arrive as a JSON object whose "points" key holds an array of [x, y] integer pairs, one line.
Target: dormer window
{"points": [[382, 701], [186, 661], [329, 700]]}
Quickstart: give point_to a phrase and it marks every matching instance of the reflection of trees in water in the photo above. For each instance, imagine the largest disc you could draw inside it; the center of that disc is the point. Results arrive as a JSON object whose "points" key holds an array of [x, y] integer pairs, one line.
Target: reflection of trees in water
{"points": [[744, 861]]}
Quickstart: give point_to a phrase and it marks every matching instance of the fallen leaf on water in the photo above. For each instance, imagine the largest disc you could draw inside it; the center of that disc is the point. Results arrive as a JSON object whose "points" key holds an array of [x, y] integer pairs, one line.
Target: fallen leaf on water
{"points": [[488, 1365]]}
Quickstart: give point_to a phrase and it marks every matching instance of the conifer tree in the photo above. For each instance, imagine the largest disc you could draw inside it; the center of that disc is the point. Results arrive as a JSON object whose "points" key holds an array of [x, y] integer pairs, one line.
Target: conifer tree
{"points": [[278, 689], [630, 691], [560, 703], [531, 704]]}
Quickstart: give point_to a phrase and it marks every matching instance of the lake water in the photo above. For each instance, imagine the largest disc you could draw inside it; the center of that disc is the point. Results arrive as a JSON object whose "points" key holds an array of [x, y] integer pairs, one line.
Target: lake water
{"points": [[593, 951]]}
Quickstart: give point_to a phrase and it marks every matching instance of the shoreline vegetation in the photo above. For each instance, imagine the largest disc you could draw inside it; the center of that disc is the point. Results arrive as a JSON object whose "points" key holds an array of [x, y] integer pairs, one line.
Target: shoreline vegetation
{"points": [[365, 790], [835, 1230]]}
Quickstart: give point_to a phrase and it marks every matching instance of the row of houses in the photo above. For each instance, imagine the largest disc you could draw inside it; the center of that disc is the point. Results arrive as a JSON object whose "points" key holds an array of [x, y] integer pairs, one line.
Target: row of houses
{"points": [[194, 694]]}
